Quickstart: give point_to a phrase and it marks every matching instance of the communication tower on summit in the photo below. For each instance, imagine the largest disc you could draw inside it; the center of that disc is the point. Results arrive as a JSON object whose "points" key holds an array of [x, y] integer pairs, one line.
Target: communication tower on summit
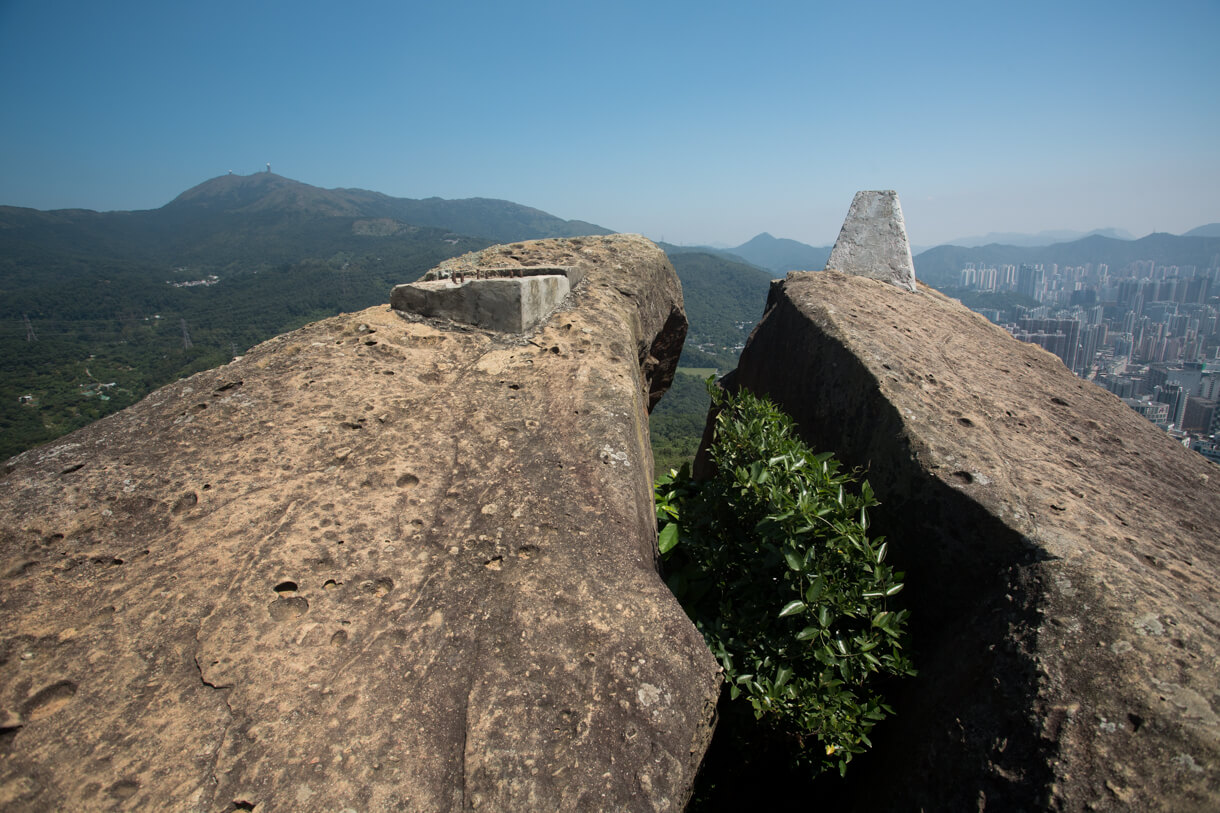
{"points": [[268, 166]]}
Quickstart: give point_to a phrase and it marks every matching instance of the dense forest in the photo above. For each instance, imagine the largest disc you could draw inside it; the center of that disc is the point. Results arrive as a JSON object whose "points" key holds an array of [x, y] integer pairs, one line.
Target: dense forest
{"points": [[83, 340], [724, 300]]}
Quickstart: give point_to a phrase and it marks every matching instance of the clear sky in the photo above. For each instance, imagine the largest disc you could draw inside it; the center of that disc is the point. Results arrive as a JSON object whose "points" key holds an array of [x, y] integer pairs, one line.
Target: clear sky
{"points": [[693, 122]]}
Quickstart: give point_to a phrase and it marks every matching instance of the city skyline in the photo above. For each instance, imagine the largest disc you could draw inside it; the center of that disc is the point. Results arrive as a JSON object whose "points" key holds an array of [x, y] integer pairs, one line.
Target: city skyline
{"points": [[1148, 332], [694, 123]]}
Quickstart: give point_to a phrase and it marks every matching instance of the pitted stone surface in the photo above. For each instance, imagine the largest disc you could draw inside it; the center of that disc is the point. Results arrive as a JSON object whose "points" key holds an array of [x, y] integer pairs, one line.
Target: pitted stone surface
{"points": [[1061, 555], [375, 564], [873, 241]]}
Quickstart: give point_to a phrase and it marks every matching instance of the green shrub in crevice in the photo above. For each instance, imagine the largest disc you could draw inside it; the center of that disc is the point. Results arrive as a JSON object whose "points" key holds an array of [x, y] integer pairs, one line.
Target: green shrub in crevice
{"points": [[772, 560]]}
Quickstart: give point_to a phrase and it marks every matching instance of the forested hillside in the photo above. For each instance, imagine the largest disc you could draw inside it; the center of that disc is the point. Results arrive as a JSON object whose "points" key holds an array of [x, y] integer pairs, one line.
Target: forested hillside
{"points": [[99, 308], [81, 338], [781, 255], [724, 300]]}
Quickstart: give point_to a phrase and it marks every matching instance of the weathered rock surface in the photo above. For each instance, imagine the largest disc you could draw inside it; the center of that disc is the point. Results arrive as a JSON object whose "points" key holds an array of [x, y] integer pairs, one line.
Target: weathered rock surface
{"points": [[1061, 556], [374, 564], [873, 241]]}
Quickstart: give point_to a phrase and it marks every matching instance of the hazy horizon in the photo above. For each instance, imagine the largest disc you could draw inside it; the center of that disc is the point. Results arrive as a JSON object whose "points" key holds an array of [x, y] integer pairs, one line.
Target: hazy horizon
{"points": [[693, 123]]}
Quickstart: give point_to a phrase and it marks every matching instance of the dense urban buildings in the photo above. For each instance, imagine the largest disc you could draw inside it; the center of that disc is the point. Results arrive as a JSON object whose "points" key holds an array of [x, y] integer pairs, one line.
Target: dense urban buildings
{"points": [[1146, 332]]}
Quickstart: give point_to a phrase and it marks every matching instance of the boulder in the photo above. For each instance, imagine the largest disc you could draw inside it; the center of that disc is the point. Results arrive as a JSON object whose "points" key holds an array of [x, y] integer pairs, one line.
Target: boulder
{"points": [[381, 562], [1060, 553]]}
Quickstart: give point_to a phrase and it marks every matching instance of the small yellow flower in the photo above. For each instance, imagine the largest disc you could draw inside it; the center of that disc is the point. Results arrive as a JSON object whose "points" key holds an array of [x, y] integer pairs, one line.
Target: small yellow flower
{"points": [[830, 749]]}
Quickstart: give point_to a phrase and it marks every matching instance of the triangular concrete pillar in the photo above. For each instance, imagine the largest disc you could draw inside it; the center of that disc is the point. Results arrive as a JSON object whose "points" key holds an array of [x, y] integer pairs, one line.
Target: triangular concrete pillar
{"points": [[873, 241]]}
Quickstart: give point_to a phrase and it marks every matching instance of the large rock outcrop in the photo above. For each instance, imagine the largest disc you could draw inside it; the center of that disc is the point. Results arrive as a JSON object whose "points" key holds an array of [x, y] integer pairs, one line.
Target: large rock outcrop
{"points": [[377, 563], [1060, 551]]}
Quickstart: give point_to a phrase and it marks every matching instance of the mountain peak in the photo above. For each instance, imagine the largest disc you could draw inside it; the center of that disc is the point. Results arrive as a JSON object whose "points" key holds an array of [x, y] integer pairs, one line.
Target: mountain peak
{"points": [[223, 185], [499, 220], [780, 254], [266, 190]]}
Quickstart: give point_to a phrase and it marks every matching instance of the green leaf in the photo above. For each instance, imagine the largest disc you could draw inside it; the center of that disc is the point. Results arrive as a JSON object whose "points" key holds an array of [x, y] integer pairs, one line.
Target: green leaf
{"points": [[815, 590], [668, 538], [795, 560], [792, 608]]}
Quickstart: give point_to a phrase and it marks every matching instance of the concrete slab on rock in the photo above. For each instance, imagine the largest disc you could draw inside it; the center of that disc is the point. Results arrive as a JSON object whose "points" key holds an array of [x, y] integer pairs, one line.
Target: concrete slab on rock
{"points": [[376, 564], [507, 304]]}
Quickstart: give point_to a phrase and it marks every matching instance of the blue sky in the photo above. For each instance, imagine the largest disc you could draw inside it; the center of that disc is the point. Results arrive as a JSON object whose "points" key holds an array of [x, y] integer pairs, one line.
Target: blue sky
{"points": [[695, 122]]}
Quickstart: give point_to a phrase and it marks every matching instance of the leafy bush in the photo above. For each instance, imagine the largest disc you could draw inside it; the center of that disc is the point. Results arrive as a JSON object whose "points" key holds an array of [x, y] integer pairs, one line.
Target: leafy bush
{"points": [[772, 560]]}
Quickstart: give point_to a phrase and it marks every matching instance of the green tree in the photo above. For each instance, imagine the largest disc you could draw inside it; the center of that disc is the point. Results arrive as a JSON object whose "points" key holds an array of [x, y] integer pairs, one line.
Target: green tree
{"points": [[772, 560]]}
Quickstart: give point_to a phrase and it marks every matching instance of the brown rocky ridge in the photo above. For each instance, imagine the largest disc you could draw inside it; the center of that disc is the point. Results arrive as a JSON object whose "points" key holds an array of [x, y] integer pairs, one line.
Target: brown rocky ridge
{"points": [[381, 562], [1060, 551]]}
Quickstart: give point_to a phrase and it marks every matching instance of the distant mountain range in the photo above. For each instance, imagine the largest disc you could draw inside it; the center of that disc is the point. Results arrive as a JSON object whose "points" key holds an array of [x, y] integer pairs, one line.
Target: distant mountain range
{"points": [[939, 266], [781, 255], [778, 255], [1042, 238], [497, 220], [265, 206], [99, 308], [1210, 230]]}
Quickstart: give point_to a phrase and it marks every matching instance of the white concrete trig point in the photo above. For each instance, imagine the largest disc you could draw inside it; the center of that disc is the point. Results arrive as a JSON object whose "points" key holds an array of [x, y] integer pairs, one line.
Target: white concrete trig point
{"points": [[873, 241]]}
